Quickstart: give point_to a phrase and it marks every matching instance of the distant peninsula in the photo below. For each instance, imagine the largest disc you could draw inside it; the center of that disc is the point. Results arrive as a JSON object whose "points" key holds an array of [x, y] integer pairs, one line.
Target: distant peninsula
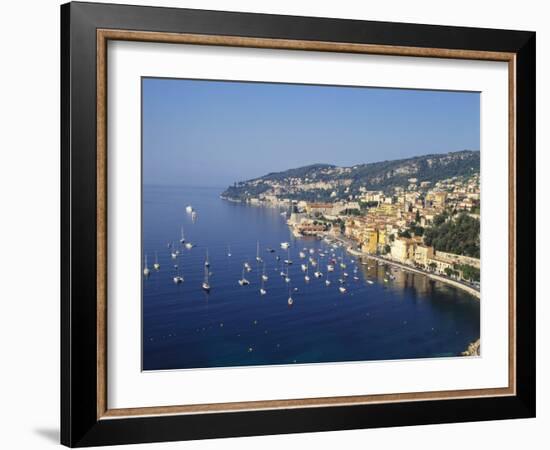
{"points": [[330, 183]]}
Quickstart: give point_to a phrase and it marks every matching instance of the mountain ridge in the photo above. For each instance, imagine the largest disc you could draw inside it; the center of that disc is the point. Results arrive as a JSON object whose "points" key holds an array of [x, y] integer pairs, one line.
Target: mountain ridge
{"points": [[320, 180]]}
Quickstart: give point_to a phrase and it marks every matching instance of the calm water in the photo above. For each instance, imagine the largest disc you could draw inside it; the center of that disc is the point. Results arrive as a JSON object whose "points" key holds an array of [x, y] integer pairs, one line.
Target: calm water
{"points": [[183, 327]]}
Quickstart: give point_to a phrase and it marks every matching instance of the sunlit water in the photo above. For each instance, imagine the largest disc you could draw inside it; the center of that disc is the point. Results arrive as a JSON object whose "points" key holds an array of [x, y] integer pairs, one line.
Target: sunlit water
{"points": [[184, 327]]}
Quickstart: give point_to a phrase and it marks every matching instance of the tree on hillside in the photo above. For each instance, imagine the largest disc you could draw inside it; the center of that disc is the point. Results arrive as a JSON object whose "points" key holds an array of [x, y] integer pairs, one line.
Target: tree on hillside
{"points": [[459, 236]]}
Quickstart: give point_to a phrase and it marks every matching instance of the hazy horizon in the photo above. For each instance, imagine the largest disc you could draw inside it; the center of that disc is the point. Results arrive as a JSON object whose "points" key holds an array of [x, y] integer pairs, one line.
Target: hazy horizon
{"points": [[241, 130]]}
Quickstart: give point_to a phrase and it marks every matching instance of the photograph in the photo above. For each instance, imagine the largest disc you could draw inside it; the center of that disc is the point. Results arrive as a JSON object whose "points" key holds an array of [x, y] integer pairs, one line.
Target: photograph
{"points": [[302, 224]]}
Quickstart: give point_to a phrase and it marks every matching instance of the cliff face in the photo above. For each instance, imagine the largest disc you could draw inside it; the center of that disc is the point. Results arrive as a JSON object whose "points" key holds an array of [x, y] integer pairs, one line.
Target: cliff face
{"points": [[384, 176]]}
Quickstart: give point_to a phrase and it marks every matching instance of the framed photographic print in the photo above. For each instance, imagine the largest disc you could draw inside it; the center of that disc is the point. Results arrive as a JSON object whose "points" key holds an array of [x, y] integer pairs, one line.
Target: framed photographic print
{"points": [[277, 224]]}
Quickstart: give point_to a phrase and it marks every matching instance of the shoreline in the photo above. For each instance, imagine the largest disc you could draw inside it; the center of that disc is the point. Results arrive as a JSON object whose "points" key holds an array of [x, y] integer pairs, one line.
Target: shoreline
{"points": [[457, 284]]}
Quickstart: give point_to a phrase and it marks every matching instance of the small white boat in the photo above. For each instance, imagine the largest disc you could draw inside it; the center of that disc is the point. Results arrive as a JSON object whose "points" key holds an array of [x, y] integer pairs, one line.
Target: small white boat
{"points": [[327, 282], [345, 274], [228, 251], [290, 301], [182, 238], [306, 277], [206, 261], [330, 268], [318, 274], [188, 245], [342, 289], [342, 265], [304, 267], [370, 281], [243, 281], [287, 278], [247, 267], [302, 255], [156, 265], [313, 263], [194, 216], [356, 278], [264, 276], [258, 252], [270, 250], [146, 270], [311, 251], [189, 209], [178, 279], [206, 283], [288, 261], [386, 280], [285, 245]]}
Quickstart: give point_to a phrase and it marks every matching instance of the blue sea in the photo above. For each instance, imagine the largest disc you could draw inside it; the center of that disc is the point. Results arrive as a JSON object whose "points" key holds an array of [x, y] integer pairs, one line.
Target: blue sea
{"points": [[184, 327]]}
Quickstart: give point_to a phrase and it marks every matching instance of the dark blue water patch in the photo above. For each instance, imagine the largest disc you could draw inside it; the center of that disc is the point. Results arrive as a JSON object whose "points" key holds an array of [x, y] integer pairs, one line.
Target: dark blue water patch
{"points": [[184, 327]]}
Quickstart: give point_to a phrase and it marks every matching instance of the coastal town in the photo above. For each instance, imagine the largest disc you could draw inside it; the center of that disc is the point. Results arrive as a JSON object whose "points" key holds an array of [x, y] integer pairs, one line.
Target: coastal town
{"points": [[427, 226]]}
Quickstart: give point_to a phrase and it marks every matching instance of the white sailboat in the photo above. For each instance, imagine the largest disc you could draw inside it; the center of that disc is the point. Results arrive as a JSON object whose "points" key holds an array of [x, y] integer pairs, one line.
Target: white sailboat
{"points": [[264, 276], [146, 270], [342, 289], [318, 273], [370, 282], [156, 265], [290, 300], [306, 277], [330, 268], [228, 251], [247, 266], [304, 267], [282, 273], [182, 238], [243, 281], [189, 209], [285, 245], [206, 261], [258, 252], [188, 245], [302, 255], [206, 282], [174, 252], [177, 278], [287, 278], [327, 281], [288, 261]]}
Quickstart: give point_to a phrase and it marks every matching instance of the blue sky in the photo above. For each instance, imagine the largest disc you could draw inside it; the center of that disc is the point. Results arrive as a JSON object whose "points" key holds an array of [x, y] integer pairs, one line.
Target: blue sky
{"points": [[212, 133]]}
